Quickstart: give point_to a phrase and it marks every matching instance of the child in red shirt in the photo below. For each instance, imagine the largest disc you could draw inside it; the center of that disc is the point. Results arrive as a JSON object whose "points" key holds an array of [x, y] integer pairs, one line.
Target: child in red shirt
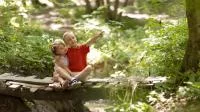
{"points": [[77, 54]]}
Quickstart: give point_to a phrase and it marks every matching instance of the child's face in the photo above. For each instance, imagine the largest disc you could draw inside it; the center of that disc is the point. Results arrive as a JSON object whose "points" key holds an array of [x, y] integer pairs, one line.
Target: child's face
{"points": [[61, 50], [70, 40]]}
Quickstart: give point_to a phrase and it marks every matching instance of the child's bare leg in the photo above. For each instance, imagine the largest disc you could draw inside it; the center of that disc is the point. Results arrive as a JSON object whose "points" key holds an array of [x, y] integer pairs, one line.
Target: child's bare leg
{"points": [[59, 81], [62, 72], [55, 76], [84, 73], [69, 80]]}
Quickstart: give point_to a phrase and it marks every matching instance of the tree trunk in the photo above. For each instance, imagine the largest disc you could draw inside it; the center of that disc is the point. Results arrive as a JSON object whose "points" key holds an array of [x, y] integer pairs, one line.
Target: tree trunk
{"points": [[102, 2], [192, 55], [109, 11], [88, 6], [128, 2], [131, 2], [98, 3], [125, 3], [115, 12]]}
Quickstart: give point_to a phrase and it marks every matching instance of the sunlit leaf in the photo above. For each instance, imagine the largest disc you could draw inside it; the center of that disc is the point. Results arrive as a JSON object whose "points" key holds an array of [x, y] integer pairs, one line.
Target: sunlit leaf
{"points": [[13, 22]]}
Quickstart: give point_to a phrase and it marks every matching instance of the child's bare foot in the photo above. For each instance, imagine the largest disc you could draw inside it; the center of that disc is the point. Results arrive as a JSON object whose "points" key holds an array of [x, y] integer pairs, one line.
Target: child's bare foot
{"points": [[65, 84], [55, 85]]}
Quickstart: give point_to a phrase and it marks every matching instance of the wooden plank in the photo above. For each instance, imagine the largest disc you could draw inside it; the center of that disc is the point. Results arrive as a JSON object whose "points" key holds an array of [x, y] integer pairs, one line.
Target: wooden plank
{"points": [[33, 90], [6, 75], [47, 79], [97, 89], [98, 80], [87, 84], [29, 79], [48, 89], [78, 93], [77, 85], [14, 86], [25, 84], [156, 78]]}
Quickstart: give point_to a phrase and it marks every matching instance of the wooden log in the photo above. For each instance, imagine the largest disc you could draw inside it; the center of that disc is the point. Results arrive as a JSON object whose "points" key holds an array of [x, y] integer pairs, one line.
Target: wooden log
{"points": [[25, 84], [12, 104], [84, 93], [29, 79], [14, 86], [91, 89], [33, 90]]}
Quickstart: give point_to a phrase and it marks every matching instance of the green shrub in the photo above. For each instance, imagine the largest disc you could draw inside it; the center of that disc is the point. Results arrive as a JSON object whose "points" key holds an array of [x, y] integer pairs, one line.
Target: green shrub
{"points": [[165, 47], [128, 107], [27, 54], [24, 46]]}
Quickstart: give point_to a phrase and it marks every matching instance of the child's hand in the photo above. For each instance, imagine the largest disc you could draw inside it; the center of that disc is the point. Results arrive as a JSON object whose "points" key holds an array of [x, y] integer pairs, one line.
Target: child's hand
{"points": [[94, 38], [99, 34]]}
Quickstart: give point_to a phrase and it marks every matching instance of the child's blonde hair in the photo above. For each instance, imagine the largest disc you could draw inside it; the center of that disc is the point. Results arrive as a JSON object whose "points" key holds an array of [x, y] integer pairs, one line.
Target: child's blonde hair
{"points": [[68, 34], [55, 44]]}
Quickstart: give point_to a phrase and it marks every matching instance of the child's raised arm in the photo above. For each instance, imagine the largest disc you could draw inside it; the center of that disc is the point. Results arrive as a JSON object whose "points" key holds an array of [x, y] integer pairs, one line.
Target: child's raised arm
{"points": [[94, 38]]}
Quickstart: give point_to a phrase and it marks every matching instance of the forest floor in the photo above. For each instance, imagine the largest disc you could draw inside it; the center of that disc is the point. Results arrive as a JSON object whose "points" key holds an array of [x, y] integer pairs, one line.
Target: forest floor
{"points": [[51, 19]]}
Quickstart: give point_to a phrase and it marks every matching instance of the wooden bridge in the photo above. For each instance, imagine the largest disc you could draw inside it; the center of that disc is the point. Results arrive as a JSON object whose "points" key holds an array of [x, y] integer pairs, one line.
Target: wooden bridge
{"points": [[34, 89]]}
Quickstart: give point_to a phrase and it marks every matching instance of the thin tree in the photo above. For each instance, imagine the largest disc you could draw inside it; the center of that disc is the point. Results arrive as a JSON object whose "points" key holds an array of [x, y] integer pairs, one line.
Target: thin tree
{"points": [[88, 6]]}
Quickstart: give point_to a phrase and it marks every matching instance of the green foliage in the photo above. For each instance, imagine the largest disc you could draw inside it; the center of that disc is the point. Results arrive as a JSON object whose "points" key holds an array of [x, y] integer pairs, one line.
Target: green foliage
{"points": [[24, 46], [157, 48], [128, 107], [175, 8], [72, 13], [25, 50], [129, 98], [118, 44], [192, 90], [165, 47]]}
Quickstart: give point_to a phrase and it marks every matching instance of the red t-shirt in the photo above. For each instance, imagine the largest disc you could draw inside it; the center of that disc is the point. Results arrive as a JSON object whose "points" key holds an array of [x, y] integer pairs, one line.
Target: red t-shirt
{"points": [[77, 58]]}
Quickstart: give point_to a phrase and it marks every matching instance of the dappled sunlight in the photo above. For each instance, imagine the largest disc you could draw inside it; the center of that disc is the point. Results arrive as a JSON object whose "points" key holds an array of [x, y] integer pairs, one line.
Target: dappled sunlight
{"points": [[94, 56], [40, 16], [54, 26], [152, 40], [47, 2], [137, 16], [24, 15], [13, 22], [79, 2], [53, 13], [2, 3], [94, 24], [161, 17], [53, 20]]}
